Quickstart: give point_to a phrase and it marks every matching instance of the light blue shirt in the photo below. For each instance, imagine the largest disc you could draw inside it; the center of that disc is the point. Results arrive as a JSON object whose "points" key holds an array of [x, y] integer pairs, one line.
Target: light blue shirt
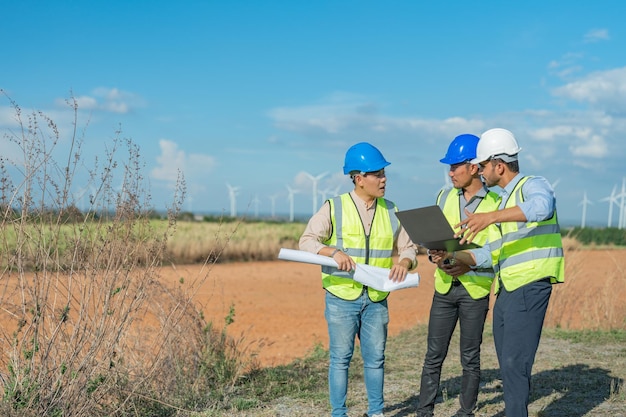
{"points": [[539, 204]]}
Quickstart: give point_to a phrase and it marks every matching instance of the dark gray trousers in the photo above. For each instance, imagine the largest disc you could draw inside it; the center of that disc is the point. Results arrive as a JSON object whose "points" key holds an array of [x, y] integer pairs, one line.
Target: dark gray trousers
{"points": [[446, 310], [517, 322]]}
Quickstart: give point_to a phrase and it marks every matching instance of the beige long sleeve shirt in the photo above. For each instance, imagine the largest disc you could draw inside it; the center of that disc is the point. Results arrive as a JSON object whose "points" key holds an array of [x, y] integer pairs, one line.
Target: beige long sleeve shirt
{"points": [[319, 229]]}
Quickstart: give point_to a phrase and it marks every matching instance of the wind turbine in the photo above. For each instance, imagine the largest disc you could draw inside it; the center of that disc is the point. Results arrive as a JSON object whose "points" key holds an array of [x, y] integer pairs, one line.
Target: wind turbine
{"points": [[290, 198], [584, 203], [620, 223], [612, 199], [190, 204], [554, 184], [327, 191], [447, 182], [255, 202], [232, 194], [315, 182], [273, 200], [80, 196], [83, 193]]}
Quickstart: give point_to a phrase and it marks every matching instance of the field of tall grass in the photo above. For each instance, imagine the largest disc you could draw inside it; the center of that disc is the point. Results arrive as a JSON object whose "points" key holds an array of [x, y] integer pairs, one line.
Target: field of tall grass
{"points": [[229, 242], [188, 242]]}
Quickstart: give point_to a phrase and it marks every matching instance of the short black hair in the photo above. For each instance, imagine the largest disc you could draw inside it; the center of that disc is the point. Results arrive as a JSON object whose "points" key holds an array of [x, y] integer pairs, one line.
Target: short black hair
{"points": [[354, 174], [513, 165]]}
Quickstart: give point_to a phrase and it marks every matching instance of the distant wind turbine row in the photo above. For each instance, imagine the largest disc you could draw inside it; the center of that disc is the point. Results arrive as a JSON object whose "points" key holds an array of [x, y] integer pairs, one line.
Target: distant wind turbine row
{"points": [[233, 192], [615, 199]]}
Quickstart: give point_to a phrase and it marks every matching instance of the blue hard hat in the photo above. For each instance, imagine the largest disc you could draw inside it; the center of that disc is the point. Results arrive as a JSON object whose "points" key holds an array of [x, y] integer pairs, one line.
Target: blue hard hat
{"points": [[462, 148], [363, 157]]}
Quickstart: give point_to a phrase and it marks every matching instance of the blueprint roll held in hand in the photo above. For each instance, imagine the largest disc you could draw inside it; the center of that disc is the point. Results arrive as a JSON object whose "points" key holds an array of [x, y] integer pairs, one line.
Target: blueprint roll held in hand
{"points": [[372, 276]]}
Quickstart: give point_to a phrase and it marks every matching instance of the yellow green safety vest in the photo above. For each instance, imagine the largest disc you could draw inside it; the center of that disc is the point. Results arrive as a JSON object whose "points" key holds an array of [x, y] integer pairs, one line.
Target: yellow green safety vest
{"points": [[478, 281], [524, 252], [349, 236]]}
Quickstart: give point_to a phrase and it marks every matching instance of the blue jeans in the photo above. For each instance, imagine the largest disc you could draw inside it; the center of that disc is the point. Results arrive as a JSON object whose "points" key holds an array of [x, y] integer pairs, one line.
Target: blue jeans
{"points": [[448, 309], [517, 322], [367, 320]]}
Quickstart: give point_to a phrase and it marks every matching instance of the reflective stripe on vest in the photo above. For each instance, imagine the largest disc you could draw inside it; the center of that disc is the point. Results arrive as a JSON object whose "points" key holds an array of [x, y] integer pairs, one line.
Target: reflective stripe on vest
{"points": [[477, 282], [524, 252], [349, 235]]}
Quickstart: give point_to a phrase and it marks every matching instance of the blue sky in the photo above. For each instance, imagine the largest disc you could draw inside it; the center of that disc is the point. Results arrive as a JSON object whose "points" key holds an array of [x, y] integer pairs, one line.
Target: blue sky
{"points": [[255, 94]]}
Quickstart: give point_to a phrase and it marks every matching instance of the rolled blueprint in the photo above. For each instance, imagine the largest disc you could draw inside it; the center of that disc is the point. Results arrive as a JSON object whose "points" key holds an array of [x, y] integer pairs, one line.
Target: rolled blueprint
{"points": [[372, 276]]}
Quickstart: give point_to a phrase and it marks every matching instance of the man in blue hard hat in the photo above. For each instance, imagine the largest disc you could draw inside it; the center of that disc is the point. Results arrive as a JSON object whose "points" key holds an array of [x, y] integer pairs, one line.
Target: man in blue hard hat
{"points": [[461, 293], [358, 227]]}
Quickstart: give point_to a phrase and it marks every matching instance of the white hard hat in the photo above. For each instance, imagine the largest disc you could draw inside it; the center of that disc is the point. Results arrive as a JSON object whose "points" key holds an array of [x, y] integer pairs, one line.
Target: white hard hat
{"points": [[495, 142]]}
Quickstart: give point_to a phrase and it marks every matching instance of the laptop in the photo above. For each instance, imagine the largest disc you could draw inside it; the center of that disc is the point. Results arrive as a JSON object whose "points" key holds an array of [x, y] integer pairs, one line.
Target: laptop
{"points": [[428, 227]]}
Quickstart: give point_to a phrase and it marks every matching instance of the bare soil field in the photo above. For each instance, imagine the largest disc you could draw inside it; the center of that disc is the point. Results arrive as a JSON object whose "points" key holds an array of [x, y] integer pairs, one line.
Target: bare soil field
{"points": [[278, 312], [279, 305]]}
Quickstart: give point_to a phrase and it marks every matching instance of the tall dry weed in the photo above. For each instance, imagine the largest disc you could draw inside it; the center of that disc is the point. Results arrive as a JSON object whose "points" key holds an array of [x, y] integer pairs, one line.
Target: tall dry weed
{"points": [[88, 330]]}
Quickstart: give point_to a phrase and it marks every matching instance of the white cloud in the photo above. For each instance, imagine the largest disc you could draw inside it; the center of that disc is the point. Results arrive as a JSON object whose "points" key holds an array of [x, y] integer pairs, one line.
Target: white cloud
{"points": [[347, 112], [605, 90], [172, 160], [567, 65], [583, 141], [553, 132], [597, 35], [7, 117], [83, 102], [593, 146], [338, 112], [449, 127], [110, 100], [569, 71], [566, 60]]}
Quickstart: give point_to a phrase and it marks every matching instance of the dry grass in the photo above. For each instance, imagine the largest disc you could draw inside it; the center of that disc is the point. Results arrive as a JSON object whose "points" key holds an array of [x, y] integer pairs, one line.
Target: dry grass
{"points": [[230, 242], [599, 307], [576, 374], [76, 293]]}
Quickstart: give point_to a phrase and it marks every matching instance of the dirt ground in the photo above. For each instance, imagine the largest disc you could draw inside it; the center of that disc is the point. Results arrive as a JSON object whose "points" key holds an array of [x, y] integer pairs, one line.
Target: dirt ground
{"points": [[279, 305]]}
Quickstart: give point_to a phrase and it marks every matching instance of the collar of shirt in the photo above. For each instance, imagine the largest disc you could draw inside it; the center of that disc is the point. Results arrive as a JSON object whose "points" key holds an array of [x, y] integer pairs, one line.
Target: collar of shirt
{"points": [[359, 201], [508, 190], [479, 194], [366, 213]]}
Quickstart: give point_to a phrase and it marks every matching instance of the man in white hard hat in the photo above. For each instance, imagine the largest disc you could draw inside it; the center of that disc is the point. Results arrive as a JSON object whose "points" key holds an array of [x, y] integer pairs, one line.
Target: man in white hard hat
{"points": [[527, 256], [358, 227]]}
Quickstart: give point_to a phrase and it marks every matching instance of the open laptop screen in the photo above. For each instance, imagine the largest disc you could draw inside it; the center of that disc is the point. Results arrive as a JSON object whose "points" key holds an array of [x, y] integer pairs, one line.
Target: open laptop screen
{"points": [[428, 227]]}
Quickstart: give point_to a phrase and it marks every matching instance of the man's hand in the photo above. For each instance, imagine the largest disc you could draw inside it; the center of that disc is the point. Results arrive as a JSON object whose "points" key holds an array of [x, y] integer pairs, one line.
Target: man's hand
{"points": [[398, 272], [344, 261], [470, 227], [456, 269]]}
